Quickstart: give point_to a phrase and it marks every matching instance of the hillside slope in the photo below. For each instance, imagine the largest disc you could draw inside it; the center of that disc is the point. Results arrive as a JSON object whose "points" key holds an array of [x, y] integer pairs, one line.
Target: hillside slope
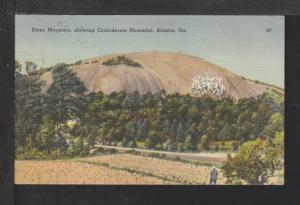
{"points": [[170, 71]]}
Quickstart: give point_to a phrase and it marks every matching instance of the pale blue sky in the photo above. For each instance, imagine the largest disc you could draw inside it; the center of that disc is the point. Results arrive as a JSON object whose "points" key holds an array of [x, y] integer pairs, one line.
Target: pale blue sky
{"points": [[238, 43]]}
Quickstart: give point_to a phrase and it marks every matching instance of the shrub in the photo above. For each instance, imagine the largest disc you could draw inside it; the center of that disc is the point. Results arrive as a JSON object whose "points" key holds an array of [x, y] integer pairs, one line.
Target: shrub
{"points": [[155, 155], [121, 60], [149, 143], [163, 156], [235, 146], [84, 152], [169, 146], [78, 147], [205, 142], [177, 158], [104, 164], [159, 146], [124, 143], [254, 163], [189, 144], [132, 144], [111, 151], [54, 154], [133, 152], [100, 149], [77, 62], [33, 154], [180, 148]]}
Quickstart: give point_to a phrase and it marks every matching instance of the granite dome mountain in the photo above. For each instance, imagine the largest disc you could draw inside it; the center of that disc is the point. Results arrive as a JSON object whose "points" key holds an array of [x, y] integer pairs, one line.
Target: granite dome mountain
{"points": [[154, 71]]}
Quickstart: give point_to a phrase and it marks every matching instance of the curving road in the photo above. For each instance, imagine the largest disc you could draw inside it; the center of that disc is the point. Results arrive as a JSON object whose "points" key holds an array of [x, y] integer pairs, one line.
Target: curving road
{"points": [[215, 157]]}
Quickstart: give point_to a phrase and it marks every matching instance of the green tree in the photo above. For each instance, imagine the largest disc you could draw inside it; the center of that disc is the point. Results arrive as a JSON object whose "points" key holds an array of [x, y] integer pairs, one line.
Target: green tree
{"points": [[180, 133], [30, 67], [278, 149], [65, 96], [188, 143], [47, 135], [169, 145], [132, 101], [153, 139], [130, 131], [173, 130], [28, 106], [254, 163], [18, 67], [226, 132], [92, 114], [143, 129], [193, 113], [78, 147], [205, 142], [60, 143], [275, 124]]}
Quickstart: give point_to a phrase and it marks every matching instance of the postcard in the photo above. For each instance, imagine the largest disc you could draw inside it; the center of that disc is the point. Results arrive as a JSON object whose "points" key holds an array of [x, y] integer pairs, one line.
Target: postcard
{"points": [[185, 100]]}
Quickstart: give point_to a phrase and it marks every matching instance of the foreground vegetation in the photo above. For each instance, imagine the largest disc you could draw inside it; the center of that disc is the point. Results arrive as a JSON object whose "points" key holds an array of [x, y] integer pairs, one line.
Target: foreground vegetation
{"points": [[128, 168], [121, 60], [66, 122], [112, 169], [70, 172]]}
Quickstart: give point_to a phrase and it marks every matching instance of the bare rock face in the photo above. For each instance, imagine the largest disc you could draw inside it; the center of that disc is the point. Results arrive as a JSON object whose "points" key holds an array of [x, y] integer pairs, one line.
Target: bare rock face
{"points": [[173, 72]]}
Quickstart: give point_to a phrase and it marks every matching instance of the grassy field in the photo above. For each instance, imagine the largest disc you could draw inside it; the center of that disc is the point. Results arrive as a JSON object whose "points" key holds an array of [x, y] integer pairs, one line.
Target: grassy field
{"points": [[111, 169], [70, 172], [117, 169]]}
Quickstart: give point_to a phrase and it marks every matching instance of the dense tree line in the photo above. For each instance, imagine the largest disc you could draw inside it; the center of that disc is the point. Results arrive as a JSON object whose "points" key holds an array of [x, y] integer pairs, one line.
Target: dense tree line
{"points": [[67, 120]]}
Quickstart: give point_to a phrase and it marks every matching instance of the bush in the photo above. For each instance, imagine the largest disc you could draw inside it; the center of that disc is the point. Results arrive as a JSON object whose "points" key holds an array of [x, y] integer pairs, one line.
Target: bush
{"points": [[78, 147], [33, 154], [54, 154], [177, 158], [180, 148], [124, 143], [254, 163], [149, 143], [132, 144], [133, 152], [164, 156], [77, 62], [100, 150], [169, 146], [235, 146], [84, 152], [190, 143], [121, 60], [104, 164], [159, 146], [205, 142], [155, 155], [111, 151]]}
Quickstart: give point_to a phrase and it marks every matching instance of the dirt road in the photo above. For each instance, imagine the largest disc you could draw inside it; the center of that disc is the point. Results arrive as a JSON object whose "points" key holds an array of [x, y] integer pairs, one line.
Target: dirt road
{"points": [[215, 157]]}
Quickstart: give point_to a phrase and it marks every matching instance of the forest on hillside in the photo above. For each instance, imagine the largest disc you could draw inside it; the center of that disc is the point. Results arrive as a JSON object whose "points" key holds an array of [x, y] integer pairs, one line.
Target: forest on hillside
{"points": [[66, 120]]}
